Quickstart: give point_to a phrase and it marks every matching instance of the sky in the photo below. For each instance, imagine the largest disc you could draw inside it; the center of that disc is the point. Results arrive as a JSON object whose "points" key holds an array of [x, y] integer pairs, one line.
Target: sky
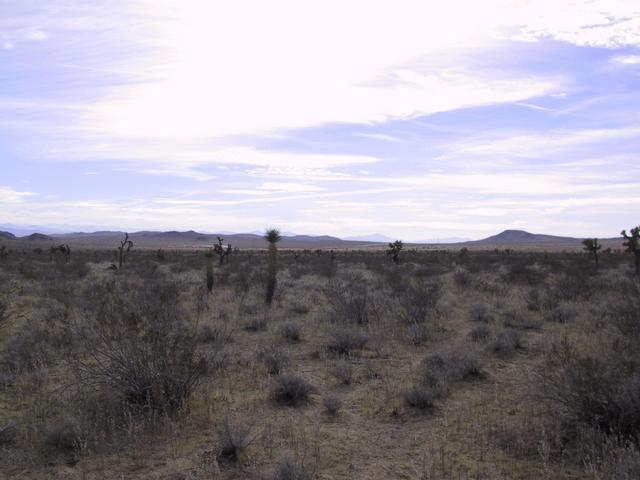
{"points": [[413, 119]]}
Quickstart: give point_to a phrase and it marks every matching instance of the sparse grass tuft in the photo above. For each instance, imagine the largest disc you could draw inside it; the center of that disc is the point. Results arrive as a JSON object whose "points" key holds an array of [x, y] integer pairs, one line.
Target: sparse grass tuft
{"points": [[332, 404]]}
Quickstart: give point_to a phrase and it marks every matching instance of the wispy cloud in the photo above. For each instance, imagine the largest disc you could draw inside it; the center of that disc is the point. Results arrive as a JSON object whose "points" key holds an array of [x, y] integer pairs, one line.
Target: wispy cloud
{"points": [[10, 196]]}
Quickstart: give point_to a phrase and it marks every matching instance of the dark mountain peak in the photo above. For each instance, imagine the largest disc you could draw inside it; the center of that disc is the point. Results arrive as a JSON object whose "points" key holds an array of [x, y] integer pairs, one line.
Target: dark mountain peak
{"points": [[515, 235], [522, 237], [38, 237], [7, 236]]}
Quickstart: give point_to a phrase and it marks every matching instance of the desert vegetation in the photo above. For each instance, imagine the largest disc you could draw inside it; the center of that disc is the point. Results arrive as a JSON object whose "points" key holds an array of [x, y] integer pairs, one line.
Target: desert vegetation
{"points": [[300, 364]]}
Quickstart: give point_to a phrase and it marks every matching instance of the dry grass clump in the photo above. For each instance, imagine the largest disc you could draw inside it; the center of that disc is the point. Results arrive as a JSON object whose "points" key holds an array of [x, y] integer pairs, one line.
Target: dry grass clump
{"points": [[27, 350], [289, 469], [64, 438], [416, 334], [562, 314], [480, 312], [462, 278], [257, 324], [343, 372], [233, 440], [8, 433], [332, 404], [480, 334], [274, 358], [438, 370], [506, 343], [291, 331]]}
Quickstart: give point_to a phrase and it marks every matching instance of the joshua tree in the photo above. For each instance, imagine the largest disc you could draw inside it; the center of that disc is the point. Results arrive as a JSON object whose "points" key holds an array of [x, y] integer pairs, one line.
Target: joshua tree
{"points": [[125, 246], [394, 250], [592, 246], [272, 236], [632, 242], [223, 251]]}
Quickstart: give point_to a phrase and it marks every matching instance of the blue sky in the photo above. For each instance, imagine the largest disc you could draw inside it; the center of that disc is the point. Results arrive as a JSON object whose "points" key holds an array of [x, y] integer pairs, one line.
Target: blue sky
{"points": [[412, 119]]}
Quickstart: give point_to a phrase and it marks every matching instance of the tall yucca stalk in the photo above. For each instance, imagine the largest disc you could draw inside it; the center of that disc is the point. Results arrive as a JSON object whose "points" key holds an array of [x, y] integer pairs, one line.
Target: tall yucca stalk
{"points": [[209, 257], [272, 236], [632, 242]]}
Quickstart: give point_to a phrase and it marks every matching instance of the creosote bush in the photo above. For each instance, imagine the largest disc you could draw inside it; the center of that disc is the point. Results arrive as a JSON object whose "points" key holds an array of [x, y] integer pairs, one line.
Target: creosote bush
{"points": [[601, 391], [141, 346]]}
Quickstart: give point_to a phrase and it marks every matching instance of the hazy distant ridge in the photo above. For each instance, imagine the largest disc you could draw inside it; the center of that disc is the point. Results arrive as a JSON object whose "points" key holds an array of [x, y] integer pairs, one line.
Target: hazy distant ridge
{"points": [[193, 239]]}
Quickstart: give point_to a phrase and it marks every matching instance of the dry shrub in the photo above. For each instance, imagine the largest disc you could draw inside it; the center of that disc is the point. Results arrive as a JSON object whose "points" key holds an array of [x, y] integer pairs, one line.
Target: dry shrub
{"points": [[421, 398], [292, 390], [349, 300], [601, 390], [142, 347], [344, 342], [417, 300], [439, 370]]}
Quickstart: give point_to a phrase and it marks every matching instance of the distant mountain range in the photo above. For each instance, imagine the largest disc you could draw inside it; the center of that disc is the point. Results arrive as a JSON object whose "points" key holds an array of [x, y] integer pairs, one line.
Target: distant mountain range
{"points": [[522, 238], [193, 239]]}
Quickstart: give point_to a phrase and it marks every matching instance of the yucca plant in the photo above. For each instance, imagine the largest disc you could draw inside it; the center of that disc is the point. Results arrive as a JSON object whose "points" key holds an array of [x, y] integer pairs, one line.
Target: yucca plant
{"points": [[272, 236], [592, 246], [632, 242]]}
